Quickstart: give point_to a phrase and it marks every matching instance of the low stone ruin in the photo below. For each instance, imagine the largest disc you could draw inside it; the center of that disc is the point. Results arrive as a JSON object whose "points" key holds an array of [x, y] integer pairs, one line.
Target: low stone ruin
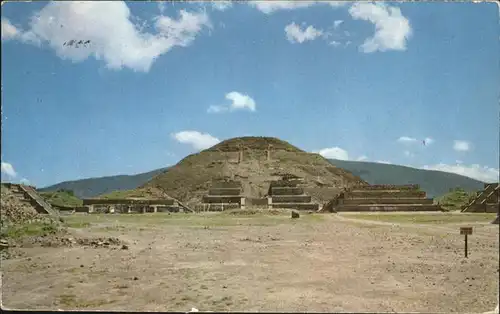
{"points": [[288, 194], [382, 198], [124, 206], [487, 201], [221, 196]]}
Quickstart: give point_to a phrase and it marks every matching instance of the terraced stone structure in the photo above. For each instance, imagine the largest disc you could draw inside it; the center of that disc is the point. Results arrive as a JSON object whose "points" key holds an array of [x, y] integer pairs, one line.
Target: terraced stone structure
{"points": [[487, 201], [386, 198], [28, 195], [288, 194], [222, 196], [130, 205]]}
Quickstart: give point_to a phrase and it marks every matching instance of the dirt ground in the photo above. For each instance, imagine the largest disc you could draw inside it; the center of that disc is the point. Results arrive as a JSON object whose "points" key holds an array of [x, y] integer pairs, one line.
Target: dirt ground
{"points": [[222, 262]]}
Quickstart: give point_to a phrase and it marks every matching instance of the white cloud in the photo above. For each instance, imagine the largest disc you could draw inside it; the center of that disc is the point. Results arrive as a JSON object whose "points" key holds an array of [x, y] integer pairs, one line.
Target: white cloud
{"points": [[269, 7], [113, 37], [392, 29], [383, 162], [407, 139], [337, 23], [24, 181], [475, 171], [9, 31], [295, 34], [238, 100], [196, 139], [221, 5], [334, 43], [428, 141], [162, 5], [334, 153], [408, 153], [461, 146], [216, 109], [362, 158], [8, 169]]}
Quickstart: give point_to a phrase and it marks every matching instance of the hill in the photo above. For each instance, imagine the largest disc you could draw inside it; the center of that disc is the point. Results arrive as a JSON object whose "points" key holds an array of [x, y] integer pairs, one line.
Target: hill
{"points": [[191, 178], [435, 183], [96, 186], [64, 198]]}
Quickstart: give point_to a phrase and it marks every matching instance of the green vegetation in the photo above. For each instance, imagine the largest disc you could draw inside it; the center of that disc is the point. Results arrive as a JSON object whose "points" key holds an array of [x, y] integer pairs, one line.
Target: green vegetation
{"points": [[195, 220], [32, 229], [438, 218], [138, 193], [455, 199], [62, 198]]}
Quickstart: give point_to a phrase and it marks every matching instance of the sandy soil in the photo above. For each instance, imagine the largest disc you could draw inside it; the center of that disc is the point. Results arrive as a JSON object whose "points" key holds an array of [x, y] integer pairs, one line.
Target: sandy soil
{"points": [[321, 264]]}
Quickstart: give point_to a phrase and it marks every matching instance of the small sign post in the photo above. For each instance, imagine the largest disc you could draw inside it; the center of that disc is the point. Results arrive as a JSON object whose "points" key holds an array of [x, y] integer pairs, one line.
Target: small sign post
{"points": [[466, 231]]}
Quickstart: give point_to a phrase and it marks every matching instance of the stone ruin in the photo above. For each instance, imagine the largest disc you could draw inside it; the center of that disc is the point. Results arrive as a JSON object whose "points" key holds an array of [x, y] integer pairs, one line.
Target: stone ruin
{"points": [[288, 194], [487, 201], [28, 195], [222, 196], [124, 206], [384, 198]]}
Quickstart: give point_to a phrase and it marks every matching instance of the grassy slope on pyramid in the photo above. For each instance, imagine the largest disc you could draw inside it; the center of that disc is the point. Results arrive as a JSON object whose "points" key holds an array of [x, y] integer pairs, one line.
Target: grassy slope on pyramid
{"points": [[191, 178]]}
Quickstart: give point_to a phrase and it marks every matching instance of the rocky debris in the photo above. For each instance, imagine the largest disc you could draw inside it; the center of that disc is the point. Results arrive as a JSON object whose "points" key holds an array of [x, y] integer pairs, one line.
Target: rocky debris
{"points": [[68, 241], [295, 214], [14, 212]]}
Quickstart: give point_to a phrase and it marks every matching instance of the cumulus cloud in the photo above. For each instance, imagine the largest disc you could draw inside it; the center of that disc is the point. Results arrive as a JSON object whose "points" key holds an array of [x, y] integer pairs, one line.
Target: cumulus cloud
{"points": [[392, 29], [25, 181], [362, 158], [196, 139], [295, 34], [428, 141], [461, 146], [238, 100], [8, 169], [383, 162], [475, 171], [337, 23], [334, 153], [269, 7], [113, 37], [9, 31], [407, 139], [221, 5]]}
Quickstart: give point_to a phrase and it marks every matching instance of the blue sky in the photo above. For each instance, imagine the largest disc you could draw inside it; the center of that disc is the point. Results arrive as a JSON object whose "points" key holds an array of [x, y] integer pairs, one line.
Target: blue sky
{"points": [[158, 81]]}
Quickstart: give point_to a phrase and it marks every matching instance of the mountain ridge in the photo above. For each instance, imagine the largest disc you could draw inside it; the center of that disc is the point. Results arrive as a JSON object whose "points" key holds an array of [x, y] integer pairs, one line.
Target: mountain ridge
{"points": [[372, 172]]}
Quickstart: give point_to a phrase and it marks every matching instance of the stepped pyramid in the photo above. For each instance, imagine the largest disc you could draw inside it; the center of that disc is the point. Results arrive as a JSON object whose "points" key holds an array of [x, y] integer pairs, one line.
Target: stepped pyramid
{"points": [[382, 198], [487, 201]]}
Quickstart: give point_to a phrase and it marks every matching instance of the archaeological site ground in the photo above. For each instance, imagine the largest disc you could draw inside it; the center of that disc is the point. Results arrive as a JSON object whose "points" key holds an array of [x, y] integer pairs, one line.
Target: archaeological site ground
{"points": [[251, 224]]}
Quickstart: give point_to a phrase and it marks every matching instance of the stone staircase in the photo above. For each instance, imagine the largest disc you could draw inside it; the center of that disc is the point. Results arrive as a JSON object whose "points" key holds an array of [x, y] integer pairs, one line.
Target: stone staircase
{"points": [[222, 196], [28, 195], [384, 198], [288, 194], [488, 201]]}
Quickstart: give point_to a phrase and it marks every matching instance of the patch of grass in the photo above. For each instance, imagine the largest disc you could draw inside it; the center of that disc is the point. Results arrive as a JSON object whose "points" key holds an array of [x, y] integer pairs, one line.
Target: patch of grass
{"points": [[438, 218], [62, 198], [195, 220], [455, 199], [71, 301], [25, 230], [78, 224]]}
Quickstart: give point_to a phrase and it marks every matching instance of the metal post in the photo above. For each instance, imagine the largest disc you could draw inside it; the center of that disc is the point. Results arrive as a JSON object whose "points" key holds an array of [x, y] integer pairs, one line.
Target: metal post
{"points": [[465, 245]]}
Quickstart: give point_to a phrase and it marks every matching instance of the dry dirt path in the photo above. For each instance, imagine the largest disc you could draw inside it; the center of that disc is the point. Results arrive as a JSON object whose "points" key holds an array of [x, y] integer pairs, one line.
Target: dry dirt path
{"points": [[322, 265]]}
